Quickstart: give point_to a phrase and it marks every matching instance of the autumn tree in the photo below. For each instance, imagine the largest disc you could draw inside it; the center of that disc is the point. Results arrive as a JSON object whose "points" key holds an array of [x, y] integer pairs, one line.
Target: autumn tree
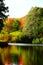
{"points": [[8, 25], [11, 25]]}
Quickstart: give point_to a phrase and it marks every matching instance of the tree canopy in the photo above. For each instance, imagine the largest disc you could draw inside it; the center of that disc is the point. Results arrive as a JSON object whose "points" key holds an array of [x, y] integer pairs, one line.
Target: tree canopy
{"points": [[33, 25]]}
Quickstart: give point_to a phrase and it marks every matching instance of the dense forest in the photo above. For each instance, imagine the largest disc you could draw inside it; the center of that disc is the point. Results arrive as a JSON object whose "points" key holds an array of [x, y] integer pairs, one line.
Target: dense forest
{"points": [[28, 29]]}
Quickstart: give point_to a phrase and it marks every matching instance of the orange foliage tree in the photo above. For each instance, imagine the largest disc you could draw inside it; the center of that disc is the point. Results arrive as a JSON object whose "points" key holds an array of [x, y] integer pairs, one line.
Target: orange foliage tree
{"points": [[22, 21]]}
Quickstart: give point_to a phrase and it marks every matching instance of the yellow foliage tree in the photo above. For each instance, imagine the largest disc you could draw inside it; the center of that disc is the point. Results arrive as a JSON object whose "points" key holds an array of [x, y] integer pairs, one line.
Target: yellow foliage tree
{"points": [[8, 25]]}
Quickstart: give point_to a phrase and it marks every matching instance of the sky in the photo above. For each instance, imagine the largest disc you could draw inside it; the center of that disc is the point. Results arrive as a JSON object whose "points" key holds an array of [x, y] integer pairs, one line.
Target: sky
{"points": [[20, 8]]}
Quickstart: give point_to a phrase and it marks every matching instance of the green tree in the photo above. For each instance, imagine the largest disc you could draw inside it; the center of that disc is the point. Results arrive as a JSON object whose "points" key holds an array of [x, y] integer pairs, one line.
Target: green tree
{"points": [[3, 10], [16, 25], [33, 25]]}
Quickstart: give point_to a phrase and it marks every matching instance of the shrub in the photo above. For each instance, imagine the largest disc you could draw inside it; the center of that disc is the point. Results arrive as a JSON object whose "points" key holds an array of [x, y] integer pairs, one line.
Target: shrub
{"points": [[35, 41], [41, 40], [17, 36], [4, 37]]}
